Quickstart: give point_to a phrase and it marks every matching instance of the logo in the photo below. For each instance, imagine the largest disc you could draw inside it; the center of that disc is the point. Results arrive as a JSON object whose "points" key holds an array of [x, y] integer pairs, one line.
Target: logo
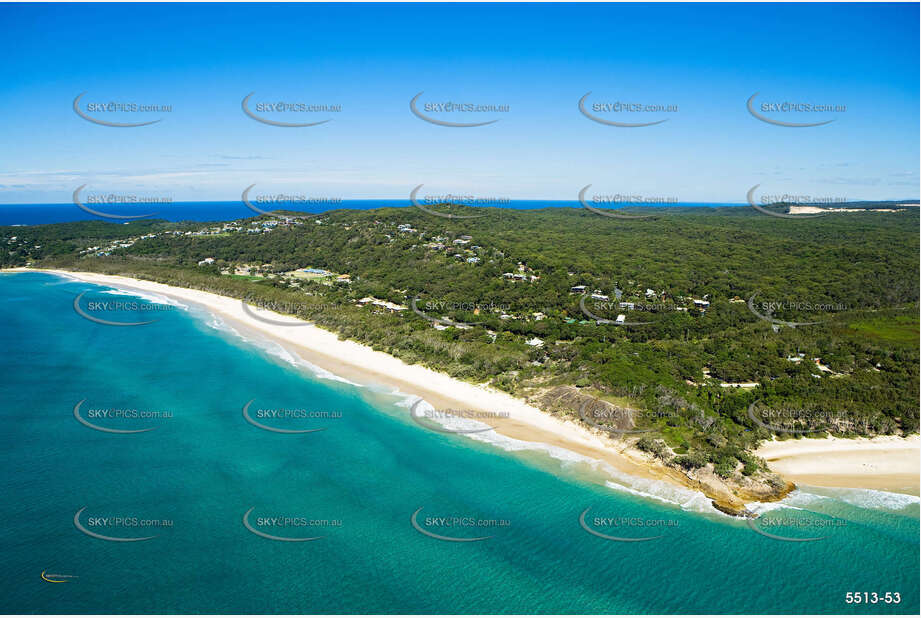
{"points": [[606, 213], [112, 306], [595, 413], [791, 107], [450, 414], [768, 318], [249, 312], [278, 521], [108, 413], [442, 321], [601, 320], [115, 107], [452, 522], [277, 414], [281, 106], [618, 107], [54, 578], [81, 206], [99, 521], [415, 202], [791, 415], [453, 107], [801, 522], [621, 521], [751, 202]]}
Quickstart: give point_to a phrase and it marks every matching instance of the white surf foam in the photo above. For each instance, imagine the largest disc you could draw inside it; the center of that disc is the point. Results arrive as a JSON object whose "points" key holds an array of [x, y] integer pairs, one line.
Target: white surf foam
{"points": [[149, 296], [862, 498], [662, 491]]}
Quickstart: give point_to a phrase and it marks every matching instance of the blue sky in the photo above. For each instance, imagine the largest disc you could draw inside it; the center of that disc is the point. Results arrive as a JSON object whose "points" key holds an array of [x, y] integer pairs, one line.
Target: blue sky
{"points": [[537, 59]]}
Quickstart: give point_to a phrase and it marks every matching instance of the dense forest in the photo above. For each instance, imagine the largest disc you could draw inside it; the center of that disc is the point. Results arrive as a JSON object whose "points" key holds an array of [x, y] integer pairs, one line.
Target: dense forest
{"points": [[722, 326]]}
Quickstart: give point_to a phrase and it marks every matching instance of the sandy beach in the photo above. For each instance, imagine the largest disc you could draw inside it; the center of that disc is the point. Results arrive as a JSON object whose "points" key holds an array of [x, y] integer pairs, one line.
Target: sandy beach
{"points": [[886, 463], [363, 365], [890, 464]]}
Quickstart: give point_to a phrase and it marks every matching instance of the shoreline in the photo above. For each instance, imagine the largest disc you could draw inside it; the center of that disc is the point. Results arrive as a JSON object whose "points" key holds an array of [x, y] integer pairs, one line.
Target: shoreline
{"points": [[360, 364], [885, 463], [525, 423]]}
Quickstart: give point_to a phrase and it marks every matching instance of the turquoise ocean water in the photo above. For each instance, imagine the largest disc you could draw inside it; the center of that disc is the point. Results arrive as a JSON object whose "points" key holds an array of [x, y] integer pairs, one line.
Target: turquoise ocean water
{"points": [[355, 484]]}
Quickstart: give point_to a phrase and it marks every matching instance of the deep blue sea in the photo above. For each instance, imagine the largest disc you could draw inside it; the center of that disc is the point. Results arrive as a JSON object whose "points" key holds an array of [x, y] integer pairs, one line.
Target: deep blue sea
{"points": [[189, 481], [36, 214]]}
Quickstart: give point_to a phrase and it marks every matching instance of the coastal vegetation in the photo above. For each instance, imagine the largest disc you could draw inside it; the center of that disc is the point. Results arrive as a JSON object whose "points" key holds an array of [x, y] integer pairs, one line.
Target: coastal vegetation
{"points": [[703, 331]]}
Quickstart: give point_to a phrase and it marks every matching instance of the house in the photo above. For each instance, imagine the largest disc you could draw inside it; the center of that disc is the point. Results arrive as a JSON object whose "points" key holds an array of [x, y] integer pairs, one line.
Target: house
{"points": [[473, 260], [535, 342], [389, 306], [597, 295], [620, 318], [343, 279], [206, 261], [650, 293], [577, 289], [537, 315], [702, 304], [461, 241]]}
